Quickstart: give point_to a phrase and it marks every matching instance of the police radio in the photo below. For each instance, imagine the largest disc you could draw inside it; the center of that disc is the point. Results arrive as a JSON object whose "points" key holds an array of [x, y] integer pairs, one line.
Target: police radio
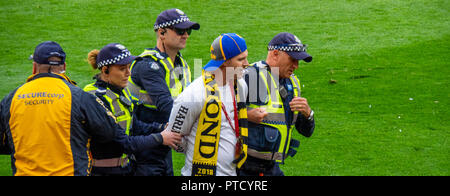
{"points": [[283, 92]]}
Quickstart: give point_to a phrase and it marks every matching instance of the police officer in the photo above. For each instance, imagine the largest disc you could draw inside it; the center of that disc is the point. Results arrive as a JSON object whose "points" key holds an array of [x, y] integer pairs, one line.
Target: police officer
{"points": [[47, 122], [114, 62], [275, 107], [157, 77]]}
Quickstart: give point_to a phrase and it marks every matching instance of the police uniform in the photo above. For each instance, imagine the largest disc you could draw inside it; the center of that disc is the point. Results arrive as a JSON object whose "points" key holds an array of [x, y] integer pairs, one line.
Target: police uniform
{"points": [[165, 80], [108, 158], [270, 142], [154, 83]]}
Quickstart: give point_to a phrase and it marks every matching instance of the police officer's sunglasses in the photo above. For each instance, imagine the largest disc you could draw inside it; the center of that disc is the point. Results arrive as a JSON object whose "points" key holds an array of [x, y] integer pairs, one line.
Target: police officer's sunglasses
{"points": [[181, 31]]}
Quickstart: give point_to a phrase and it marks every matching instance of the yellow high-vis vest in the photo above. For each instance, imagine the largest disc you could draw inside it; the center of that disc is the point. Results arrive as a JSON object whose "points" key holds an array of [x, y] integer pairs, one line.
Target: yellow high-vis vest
{"points": [[122, 112], [174, 83], [276, 117]]}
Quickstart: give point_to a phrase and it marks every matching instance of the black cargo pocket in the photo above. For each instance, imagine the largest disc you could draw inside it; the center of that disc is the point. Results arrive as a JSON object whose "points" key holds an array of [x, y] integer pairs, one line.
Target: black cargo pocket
{"points": [[271, 136], [256, 138]]}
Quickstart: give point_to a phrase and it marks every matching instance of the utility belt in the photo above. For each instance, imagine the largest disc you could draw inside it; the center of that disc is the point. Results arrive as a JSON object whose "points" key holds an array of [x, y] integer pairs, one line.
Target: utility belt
{"points": [[256, 165], [113, 162], [270, 156], [264, 144], [263, 162]]}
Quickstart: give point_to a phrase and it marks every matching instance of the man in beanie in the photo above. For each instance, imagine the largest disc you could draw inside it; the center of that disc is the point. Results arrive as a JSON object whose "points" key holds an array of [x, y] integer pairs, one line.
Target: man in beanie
{"points": [[211, 113], [46, 124], [275, 107], [157, 78]]}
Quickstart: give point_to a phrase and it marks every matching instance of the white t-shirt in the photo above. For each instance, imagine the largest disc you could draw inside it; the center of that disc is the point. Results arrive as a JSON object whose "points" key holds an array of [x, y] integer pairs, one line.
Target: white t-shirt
{"points": [[184, 118]]}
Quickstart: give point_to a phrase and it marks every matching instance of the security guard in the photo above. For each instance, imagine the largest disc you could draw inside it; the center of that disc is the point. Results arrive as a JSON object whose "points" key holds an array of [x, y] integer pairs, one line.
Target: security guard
{"points": [[47, 123], [114, 61], [158, 77], [275, 107]]}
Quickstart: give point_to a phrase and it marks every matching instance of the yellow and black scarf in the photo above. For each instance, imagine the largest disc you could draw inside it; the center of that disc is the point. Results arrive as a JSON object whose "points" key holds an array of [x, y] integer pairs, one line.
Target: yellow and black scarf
{"points": [[206, 147]]}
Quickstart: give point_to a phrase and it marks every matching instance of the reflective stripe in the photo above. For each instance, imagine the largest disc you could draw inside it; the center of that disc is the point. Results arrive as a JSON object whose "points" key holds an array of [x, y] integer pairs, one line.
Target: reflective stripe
{"points": [[113, 162], [176, 85], [141, 96], [265, 155], [275, 118], [297, 92], [274, 102]]}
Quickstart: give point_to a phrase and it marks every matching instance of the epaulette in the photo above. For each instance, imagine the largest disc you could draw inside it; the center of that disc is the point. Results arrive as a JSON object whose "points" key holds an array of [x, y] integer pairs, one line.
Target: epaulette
{"points": [[153, 53], [100, 91], [138, 58], [159, 56], [260, 65]]}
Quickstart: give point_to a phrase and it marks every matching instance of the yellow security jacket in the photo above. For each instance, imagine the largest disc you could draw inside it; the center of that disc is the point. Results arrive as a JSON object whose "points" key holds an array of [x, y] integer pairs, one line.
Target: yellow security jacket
{"points": [[47, 124]]}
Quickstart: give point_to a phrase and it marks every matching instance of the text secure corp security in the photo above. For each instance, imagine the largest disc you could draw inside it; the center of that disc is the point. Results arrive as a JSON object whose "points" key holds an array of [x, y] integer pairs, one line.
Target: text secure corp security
{"points": [[39, 98]]}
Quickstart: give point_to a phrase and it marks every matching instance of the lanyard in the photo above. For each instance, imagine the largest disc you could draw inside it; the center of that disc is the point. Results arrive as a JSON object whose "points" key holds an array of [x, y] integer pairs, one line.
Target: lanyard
{"points": [[236, 121]]}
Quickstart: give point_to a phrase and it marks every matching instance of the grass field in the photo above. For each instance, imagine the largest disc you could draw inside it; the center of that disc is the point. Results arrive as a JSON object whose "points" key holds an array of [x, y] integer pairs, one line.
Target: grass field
{"points": [[385, 111]]}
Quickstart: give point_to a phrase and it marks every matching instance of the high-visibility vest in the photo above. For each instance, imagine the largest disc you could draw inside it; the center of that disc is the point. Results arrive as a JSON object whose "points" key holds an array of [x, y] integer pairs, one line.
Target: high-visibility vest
{"points": [[175, 84], [122, 111], [276, 114]]}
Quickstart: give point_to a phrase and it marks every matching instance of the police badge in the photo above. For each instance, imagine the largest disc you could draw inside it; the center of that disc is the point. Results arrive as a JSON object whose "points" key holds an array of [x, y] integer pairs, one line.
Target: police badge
{"points": [[154, 66]]}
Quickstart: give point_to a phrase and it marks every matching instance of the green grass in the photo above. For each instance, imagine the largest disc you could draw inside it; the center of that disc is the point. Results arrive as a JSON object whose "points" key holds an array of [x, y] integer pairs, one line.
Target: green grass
{"points": [[386, 114]]}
